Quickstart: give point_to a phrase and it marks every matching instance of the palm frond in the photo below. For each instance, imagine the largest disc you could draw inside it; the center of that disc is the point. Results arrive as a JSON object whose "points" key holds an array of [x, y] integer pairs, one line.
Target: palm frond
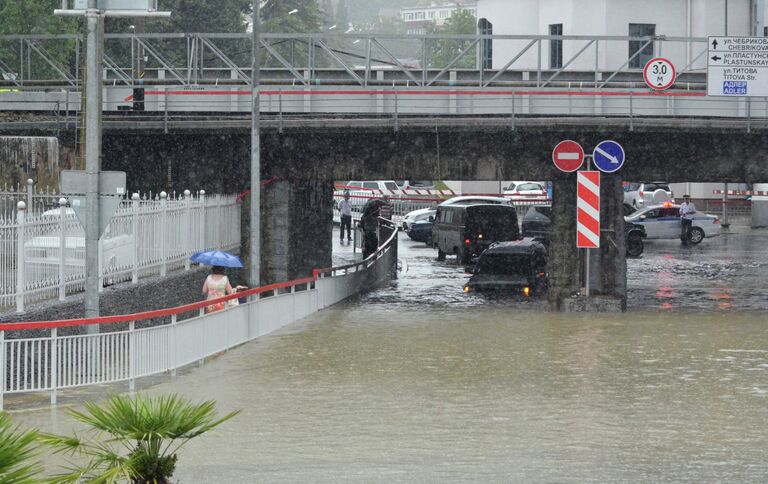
{"points": [[16, 450]]}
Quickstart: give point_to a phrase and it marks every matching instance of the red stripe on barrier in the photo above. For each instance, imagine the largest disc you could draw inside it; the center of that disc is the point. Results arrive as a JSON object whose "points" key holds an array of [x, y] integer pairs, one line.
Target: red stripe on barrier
{"points": [[588, 222], [584, 242], [422, 92], [589, 196]]}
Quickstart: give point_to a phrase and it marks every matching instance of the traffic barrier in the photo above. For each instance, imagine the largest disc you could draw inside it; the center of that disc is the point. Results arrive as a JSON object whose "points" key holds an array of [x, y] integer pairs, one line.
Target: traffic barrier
{"points": [[741, 193], [53, 363]]}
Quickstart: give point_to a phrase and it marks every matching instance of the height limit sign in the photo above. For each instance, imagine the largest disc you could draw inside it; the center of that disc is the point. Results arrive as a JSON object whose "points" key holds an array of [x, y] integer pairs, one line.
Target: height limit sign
{"points": [[659, 74], [737, 66]]}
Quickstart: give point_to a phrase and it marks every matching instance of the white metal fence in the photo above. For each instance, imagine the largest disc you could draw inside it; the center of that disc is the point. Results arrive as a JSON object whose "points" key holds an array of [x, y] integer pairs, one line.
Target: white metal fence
{"points": [[42, 254], [52, 363]]}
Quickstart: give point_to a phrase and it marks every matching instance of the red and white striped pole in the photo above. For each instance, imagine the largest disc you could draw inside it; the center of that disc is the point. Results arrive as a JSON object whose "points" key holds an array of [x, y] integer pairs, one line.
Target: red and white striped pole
{"points": [[588, 216]]}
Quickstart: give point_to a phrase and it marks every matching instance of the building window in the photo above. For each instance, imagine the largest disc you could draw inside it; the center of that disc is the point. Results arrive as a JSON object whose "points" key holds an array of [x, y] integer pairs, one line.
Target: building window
{"points": [[765, 31], [555, 47], [431, 14], [408, 17], [644, 54], [419, 15], [484, 27]]}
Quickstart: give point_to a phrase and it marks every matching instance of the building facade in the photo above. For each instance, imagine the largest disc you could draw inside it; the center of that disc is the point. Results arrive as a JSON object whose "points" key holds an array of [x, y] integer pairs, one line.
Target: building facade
{"points": [[417, 19], [682, 19]]}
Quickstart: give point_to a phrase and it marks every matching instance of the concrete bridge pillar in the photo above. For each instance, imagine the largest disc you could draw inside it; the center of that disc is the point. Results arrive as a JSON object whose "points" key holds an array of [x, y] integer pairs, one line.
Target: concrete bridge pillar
{"points": [[563, 256], [297, 226], [608, 265]]}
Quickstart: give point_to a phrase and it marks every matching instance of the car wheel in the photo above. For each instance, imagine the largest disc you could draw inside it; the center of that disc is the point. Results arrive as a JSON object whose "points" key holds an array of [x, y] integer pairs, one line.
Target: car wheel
{"points": [[697, 235], [440, 255], [634, 246]]}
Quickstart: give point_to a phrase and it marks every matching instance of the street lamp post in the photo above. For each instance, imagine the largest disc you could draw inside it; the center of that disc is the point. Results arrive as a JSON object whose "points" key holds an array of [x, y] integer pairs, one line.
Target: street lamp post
{"points": [[94, 12], [254, 266]]}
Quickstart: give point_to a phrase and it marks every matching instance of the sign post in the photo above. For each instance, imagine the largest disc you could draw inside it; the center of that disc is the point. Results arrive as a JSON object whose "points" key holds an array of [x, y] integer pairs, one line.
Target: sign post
{"points": [[737, 66]]}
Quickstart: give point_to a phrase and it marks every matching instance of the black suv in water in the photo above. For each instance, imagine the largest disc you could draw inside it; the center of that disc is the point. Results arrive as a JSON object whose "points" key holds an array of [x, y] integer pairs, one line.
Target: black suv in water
{"points": [[536, 223], [517, 267]]}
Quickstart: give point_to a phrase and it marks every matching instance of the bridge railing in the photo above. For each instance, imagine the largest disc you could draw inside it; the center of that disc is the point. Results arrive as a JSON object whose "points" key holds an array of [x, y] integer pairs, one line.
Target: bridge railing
{"points": [[155, 342], [43, 252], [190, 59]]}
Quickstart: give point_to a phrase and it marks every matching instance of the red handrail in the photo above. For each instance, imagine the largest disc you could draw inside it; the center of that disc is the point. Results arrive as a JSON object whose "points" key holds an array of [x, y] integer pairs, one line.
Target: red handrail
{"points": [[124, 318]]}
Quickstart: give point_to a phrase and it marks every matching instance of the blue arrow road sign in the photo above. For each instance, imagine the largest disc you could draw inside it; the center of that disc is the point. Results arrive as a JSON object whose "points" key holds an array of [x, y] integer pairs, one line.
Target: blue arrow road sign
{"points": [[608, 156]]}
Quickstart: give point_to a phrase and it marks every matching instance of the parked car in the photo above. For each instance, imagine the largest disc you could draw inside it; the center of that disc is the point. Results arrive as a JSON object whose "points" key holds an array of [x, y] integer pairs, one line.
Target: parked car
{"points": [[424, 213], [640, 195], [43, 252], [420, 215], [467, 230], [663, 222], [536, 223], [518, 267], [525, 190], [421, 231]]}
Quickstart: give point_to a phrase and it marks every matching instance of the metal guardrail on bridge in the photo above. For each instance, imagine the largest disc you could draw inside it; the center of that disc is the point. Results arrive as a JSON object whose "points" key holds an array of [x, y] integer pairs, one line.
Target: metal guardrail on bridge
{"points": [[52, 363], [190, 79]]}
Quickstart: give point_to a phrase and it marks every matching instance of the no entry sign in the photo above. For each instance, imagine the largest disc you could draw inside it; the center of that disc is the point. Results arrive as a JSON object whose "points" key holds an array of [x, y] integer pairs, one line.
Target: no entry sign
{"points": [[588, 210], [568, 156], [659, 74]]}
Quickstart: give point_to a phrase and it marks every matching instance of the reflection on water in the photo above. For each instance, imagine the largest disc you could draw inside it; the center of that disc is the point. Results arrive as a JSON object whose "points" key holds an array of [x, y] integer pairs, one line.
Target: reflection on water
{"points": [[375, 394]]}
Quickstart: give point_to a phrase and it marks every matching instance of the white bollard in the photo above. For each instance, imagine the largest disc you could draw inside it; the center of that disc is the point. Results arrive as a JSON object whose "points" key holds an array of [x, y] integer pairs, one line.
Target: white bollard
{"points": [[20, 249]]}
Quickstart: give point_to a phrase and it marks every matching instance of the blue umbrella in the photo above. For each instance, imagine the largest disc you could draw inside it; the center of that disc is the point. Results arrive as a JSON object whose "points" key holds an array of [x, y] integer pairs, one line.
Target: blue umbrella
{"points": [[217, 258]]}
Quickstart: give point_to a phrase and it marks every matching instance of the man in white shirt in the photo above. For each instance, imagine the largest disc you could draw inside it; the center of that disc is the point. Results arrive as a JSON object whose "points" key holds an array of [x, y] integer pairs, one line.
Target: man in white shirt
{"points": [[346, 218], [687, 211]]}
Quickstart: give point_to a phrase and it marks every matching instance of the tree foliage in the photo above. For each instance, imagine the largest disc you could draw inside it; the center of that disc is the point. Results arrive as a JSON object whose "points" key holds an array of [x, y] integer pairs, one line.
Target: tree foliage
{"points": [[443, 52]]}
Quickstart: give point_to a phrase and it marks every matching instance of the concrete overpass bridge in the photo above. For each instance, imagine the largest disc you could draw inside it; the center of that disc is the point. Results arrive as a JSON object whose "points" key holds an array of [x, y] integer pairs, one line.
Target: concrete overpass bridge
{"points": [[350, 107]]}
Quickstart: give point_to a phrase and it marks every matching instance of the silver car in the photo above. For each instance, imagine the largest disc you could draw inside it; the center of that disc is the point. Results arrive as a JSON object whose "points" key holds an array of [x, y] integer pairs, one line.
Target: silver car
{"points": [[663, 222]]}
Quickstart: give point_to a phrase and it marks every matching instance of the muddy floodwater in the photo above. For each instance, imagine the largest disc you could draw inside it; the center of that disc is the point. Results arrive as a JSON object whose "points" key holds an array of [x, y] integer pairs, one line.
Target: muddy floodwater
{"points": [[415, 382]]}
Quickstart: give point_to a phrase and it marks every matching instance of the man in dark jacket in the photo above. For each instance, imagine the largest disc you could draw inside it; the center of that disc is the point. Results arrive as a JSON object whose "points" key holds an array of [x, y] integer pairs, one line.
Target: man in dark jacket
{"points": [[373, 209]]}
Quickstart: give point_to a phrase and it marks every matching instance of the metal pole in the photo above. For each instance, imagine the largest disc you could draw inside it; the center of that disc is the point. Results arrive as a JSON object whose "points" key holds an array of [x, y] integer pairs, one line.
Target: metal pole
{"points": [[62, 249], [94, 61], [586, 273], [724, 219], [254, 265]]}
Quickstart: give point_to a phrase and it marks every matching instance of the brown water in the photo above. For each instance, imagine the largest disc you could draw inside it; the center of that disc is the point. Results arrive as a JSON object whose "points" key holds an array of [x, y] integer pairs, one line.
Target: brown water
{"points": [[484, 394]]}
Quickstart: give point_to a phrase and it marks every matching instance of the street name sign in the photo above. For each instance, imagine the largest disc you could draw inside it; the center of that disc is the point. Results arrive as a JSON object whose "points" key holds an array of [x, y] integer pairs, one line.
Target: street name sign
{"points": [[737, 66], [659, 73], [608, 156], [588, 210], [568, 156]]}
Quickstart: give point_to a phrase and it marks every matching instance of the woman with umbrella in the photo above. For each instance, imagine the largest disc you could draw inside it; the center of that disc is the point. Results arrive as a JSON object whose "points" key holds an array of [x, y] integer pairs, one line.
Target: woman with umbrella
{"points": [[217, 284]]}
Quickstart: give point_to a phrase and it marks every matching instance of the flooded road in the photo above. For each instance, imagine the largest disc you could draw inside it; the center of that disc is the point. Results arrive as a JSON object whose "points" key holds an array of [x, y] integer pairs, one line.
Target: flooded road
{"points": [[416, 382]]}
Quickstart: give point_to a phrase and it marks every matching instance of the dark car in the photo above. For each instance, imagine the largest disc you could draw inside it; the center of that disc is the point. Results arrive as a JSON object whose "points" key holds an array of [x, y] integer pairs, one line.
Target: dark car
{"points": [[421, 231], [518, 267], [536, 223], [467, 230]]}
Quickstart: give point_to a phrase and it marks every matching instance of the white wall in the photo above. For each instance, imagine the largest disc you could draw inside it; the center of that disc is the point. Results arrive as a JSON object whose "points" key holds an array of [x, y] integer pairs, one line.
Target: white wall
{"points": [[673, 18]]}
